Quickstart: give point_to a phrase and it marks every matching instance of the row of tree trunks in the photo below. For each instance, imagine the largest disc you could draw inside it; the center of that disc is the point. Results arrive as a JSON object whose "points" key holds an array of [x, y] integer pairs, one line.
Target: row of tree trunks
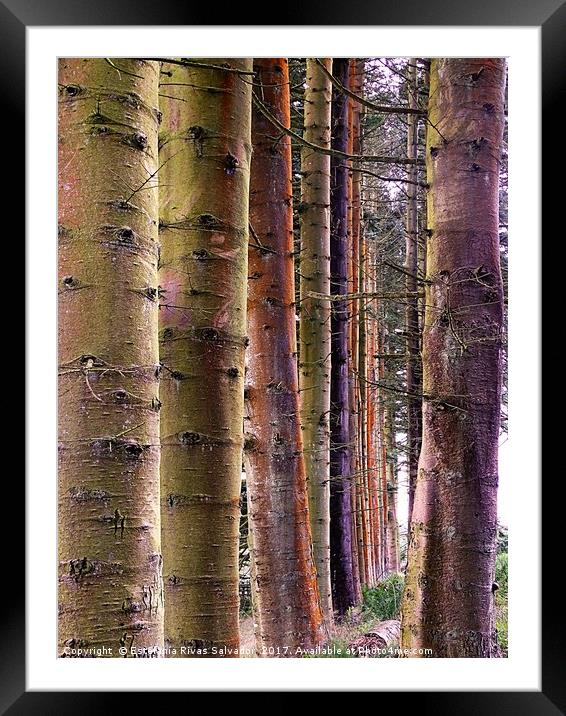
{"points": [[165, 278]]}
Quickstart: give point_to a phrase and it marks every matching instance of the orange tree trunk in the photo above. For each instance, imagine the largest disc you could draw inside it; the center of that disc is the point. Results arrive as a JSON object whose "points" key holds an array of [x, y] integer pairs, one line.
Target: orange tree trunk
{"points": [[343, 584], [358, 332], [314, 358], [448, 601], [204, 184], [110, 586], [287, 606]]}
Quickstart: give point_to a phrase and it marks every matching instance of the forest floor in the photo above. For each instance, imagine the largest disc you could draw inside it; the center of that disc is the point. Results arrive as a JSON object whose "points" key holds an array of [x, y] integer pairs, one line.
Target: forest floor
{"points": [[352, 636], [379, 604], [247, 643], [345, 636]]}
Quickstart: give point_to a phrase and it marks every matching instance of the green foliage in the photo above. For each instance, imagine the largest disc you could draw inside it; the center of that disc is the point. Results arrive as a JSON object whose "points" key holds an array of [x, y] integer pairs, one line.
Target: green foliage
{"points": [[501, 597], [384, 600], [502, 539], [245, 596]]}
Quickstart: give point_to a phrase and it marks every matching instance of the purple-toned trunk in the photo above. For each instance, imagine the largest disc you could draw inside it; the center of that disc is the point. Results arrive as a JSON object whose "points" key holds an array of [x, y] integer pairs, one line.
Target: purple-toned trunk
{"points": [[448, 602], [413, 368], [343, 587]]}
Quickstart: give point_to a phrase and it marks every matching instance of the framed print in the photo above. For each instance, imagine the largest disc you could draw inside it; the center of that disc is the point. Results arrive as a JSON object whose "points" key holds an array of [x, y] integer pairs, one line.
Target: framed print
{"points": [[281, 290]]}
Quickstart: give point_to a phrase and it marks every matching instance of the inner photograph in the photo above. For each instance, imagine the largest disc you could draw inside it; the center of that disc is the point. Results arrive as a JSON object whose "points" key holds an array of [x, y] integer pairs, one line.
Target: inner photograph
{"points": [[282, 357]]}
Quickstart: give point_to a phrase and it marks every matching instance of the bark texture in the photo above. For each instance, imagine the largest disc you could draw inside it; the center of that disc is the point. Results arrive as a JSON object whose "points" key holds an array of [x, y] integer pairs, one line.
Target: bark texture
{"points": [[314, 364], [393, 551], [204, 183], [287, 608], [353, 266], [343, 586], [383, 635], [412, 329], [110, 584], [448, 599]]}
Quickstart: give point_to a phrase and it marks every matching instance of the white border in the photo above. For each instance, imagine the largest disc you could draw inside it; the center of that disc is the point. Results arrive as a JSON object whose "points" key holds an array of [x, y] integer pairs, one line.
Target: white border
{"points": [[521, 670]]}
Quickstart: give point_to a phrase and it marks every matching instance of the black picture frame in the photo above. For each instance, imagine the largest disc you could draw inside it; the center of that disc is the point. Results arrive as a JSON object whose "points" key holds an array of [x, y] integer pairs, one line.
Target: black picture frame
{"points": [[550, 15]]}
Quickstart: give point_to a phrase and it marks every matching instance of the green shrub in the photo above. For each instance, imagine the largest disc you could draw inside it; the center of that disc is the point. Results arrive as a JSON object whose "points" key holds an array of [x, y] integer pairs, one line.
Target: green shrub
{"points": [[384, 601], [501, 597], [502, 539]]}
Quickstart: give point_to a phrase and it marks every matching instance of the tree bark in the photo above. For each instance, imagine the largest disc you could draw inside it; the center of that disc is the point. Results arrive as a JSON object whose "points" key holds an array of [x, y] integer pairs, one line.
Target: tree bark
{"points": [[448, 599], [287, 609], [370, 405], [204, 184], [353, 264], [110, 584], [343, 586], [314, 359], [393, 552], [412, 329], [382, 441], [384, 635]]}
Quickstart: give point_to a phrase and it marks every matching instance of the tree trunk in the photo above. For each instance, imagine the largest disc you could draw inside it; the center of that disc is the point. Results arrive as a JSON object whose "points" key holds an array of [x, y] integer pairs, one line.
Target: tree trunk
{"points": [[287, 608], [110, 584], [343, 586], [448, 602], [204, 184], [383, 636], [413, 367], [370, 402], [314, 365], [374, 452], [359, 484], [382, 439], [353, 264], [393, 555]]}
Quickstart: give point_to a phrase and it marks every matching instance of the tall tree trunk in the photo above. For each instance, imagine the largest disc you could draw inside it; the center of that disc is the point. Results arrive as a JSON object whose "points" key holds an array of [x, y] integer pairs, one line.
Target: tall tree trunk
{"points": [[393, 556], [314, 365], [287, 608], [382, 440], [358, 482], [375, 398], [204, 184], [343, 586], [353, 262], [421, 239], [369, 394], [448, 602], [110, 584], [413, 367]]}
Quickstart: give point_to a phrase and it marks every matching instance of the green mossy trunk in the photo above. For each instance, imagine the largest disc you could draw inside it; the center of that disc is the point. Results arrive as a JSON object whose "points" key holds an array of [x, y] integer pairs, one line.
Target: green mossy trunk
{"points": [[204, 183], [448, 598], [110, 585], [314, 360]]}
